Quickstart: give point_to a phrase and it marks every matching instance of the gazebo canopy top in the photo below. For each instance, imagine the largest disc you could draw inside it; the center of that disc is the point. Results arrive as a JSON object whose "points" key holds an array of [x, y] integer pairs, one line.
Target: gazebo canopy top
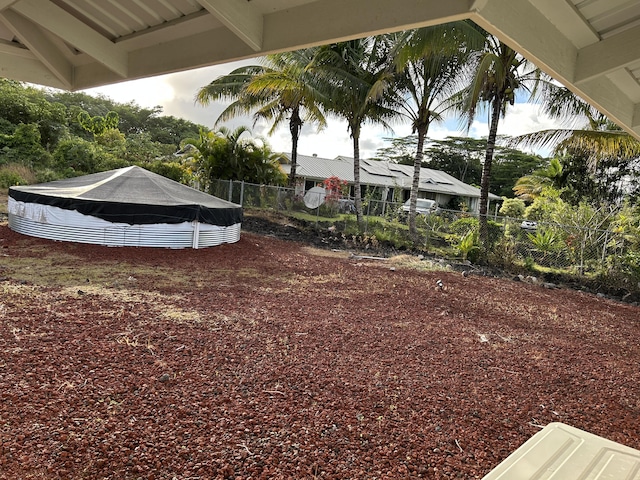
{"points": [[131, 195]]}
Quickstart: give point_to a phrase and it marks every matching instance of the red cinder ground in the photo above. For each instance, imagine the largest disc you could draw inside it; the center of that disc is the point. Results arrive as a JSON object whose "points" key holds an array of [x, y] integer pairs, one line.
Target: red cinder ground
{"points": [[266, 359]]}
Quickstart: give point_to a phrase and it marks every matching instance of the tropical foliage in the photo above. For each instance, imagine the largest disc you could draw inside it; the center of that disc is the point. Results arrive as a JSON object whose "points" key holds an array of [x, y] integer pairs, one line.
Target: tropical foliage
{"points": [[595, 134], [46, 135], [283, 87], [497, 73], [362, 87], [429, 60], [224, 155]]}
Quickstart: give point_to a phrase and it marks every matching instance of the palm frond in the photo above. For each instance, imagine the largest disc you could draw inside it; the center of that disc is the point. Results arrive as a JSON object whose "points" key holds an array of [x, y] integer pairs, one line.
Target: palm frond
{"points": [[599, 145], [227, 86], [549, 138], [602, 145]]}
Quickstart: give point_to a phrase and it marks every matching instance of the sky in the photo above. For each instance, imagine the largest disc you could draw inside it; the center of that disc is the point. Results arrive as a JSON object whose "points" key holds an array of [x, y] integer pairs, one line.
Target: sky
{"points": [[175, 93]]}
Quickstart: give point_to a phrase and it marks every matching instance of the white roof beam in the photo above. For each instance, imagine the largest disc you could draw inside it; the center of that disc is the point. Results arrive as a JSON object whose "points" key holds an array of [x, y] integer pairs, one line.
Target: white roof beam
{"points": [[607, 97], [607, 55], [528, 30], [20, 64], [199, 50], [6, 3], [76, 33], [340, 20], [565, 17], [635, 124], [240, 17], [41, 46]]}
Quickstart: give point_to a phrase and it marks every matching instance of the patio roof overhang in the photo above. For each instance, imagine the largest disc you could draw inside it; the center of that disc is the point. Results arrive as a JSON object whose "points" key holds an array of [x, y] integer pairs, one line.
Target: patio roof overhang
{"points": [[591, 46]]}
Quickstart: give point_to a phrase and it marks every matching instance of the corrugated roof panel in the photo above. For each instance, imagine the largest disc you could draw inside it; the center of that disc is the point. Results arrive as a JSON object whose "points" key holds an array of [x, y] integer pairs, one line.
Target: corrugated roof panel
{"points": [[119, 18], [609, 17], [438, 176], [321, 168], [128, 236], [385, 174], [375, 167], [97, 14]]}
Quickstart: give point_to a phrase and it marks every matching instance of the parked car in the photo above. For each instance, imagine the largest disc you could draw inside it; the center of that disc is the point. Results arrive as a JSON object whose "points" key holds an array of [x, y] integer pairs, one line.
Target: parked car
{"points": [[528, 225], [424, 206]]}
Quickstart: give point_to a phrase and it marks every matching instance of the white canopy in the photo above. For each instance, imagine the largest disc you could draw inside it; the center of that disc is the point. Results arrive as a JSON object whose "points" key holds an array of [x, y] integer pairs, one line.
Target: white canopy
{"points": [[126, 207]]}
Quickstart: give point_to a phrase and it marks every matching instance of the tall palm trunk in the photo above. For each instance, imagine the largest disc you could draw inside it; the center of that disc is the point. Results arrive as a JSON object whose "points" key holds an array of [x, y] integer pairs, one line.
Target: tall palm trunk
{"points": [[417, 164], [357, 192], [295, 125], [486, 173]]}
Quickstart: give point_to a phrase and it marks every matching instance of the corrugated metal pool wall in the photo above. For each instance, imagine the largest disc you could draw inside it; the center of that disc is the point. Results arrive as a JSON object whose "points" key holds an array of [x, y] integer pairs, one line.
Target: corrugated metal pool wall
{"points": [[129, 236]]}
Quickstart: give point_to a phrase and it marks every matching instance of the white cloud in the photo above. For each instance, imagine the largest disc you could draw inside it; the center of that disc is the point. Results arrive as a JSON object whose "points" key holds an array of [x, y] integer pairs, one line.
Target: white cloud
{"points": [[175, 93], [330, 142], [146, 92], [525, 118]]}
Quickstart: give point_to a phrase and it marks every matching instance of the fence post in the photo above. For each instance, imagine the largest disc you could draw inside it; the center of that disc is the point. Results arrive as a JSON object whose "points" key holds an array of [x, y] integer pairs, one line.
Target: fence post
{"points": [[242, 193], [604, 247], [385, 194], [230, 189], [582, 246]]}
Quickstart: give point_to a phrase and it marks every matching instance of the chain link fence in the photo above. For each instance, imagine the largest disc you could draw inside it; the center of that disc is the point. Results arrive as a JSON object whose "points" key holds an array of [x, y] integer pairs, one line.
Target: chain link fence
{"points": [[535, 246]]}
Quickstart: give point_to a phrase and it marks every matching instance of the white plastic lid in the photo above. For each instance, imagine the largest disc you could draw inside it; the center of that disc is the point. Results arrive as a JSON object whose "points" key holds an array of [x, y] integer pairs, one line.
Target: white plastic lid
{"points": [[560, 451]]}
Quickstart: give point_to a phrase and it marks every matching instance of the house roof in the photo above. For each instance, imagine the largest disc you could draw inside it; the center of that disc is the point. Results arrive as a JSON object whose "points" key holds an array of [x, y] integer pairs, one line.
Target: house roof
{"points": [[591, 46], [383, 174]]}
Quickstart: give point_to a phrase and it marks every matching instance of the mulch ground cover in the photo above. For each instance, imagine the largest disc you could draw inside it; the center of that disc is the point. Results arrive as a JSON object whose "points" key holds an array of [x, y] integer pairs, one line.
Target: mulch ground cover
{"points": [[267, 359]]}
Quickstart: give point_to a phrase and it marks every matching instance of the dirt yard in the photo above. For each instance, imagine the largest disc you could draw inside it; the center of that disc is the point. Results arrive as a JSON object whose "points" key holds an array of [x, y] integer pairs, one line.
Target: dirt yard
{"points": [[267, 359]]}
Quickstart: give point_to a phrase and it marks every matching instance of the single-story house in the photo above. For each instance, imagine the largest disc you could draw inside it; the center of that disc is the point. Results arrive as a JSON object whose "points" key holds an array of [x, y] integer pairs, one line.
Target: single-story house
{"points": [[394, 178]]}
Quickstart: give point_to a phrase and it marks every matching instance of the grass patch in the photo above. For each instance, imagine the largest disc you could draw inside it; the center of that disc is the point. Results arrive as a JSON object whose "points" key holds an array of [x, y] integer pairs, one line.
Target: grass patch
{"points": [[61, 270], [4, 199], [415, 263], [49, 271]]}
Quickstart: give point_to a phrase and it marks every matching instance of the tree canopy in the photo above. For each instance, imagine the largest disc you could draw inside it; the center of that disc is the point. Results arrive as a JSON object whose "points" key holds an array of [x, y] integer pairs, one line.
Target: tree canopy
{"points": [[48, 134]]}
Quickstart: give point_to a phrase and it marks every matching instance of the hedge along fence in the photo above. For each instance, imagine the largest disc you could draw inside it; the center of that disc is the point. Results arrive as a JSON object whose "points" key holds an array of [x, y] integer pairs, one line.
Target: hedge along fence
{"points": [[549, 247]]}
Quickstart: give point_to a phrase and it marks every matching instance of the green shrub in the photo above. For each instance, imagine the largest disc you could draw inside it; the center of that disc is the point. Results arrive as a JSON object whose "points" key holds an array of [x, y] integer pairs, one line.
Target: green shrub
{"points": [[512, 207], [173, 170], [504, 254], [468, 245], [461, 226], [544, 240], [47, 175], [529, 263], [16, 174], [10, 179], [81, 157]]}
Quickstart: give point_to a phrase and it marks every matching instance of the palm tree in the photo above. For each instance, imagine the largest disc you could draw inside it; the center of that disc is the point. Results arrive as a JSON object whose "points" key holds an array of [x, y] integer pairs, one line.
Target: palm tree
{"points": [[530, 187], [498, 72], [430, 59], [281, 90], [360, 76], [596, 135], [226, 155]]}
